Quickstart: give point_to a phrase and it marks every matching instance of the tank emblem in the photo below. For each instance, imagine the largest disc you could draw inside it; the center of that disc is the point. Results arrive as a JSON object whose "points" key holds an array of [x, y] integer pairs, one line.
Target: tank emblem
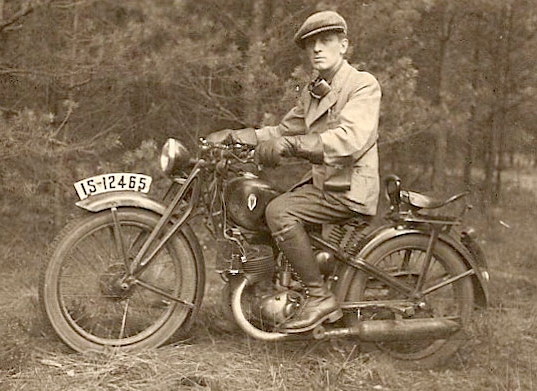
{"points": [[252, 201]]}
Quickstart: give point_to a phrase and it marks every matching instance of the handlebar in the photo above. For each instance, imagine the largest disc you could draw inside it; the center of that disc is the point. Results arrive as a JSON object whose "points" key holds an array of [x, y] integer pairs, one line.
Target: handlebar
{"points": [[242, 153]]}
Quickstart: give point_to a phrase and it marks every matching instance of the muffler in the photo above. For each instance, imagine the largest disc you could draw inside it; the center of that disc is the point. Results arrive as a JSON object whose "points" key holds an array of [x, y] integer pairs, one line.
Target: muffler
{"points": [[393, 330]]}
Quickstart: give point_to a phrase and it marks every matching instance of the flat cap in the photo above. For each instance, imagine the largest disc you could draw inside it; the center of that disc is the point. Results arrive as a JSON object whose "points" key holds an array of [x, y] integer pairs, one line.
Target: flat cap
{"points": [[320, 22]]}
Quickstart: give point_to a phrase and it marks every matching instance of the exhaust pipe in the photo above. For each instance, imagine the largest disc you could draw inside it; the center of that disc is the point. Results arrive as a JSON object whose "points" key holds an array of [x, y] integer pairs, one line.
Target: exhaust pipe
{"points": [[393, 330]]}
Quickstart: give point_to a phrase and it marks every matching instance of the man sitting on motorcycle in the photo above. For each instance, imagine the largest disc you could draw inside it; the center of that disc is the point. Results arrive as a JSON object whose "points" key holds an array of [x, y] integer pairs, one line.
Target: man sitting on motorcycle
{"points": [[334, 125]]}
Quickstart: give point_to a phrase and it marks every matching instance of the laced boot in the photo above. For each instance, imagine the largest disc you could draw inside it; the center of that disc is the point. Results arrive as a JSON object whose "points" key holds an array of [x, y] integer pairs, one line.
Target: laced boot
{"points": [[321, 304]]}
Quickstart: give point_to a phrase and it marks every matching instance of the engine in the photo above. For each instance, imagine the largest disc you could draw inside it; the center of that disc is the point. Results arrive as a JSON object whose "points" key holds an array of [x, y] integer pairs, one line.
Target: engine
{"points": [[246, 199], [279, 307]]}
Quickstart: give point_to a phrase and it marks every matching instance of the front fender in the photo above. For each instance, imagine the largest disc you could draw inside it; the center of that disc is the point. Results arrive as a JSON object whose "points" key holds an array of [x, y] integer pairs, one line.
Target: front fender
{"points": [[100, 202], [480, 279]]}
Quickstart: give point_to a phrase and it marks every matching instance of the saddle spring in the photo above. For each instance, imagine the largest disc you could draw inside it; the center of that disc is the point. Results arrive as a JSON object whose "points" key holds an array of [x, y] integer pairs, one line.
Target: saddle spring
{"points": [[348, 237]]}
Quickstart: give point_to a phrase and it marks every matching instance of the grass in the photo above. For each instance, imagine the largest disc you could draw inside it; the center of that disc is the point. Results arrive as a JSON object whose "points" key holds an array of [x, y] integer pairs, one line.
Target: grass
{"points": [[501, 354]]}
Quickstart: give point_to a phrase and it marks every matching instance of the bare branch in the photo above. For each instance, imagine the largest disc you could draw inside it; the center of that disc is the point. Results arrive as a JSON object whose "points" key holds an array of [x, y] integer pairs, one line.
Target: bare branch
{"points": [[32, 72], [27, 8], [8, 110], [65, 120]]}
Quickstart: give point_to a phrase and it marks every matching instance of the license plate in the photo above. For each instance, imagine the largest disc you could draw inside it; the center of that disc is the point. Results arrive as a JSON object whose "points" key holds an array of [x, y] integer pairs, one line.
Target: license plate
{"points": [[119, 181]]}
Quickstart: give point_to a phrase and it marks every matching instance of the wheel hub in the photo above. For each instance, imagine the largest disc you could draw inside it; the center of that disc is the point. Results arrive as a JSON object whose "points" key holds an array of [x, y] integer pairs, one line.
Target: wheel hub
{"points": [[112, 283]]}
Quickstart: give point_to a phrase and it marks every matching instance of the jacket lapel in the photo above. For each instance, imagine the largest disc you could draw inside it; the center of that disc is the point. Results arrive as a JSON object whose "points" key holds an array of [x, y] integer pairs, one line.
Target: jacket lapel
{"points": [[318, 108]]}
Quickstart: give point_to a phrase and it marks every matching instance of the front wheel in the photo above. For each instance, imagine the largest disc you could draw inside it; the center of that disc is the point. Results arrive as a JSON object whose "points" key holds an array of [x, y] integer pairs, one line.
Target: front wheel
{"points": [[404, 258], [81, 291]]}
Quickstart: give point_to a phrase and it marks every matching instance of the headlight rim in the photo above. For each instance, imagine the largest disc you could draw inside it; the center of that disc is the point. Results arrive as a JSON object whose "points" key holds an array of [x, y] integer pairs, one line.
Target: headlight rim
{"points": [[174, 156]]}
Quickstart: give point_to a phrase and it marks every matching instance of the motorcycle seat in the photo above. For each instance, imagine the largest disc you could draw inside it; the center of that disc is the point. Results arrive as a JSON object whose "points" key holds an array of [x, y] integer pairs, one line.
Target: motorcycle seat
{"points": [[422, 201]]}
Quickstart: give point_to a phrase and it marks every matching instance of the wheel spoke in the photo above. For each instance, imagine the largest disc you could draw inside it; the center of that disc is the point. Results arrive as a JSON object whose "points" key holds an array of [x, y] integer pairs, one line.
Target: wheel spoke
{"points": [[124, 320], [406, 259]]}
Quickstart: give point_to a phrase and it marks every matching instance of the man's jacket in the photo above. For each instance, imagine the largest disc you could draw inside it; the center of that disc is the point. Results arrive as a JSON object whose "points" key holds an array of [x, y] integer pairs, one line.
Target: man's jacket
{"points": [[347, 122]]}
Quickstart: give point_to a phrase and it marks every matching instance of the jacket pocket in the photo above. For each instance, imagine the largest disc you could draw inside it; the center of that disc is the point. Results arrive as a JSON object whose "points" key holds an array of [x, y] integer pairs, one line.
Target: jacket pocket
{"points": [[365, 188], [338, 177]]}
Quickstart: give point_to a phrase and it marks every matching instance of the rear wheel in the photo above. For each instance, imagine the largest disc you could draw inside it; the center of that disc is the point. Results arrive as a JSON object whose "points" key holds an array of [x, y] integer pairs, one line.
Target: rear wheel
{"points": [[404, 258], [81, 289]]}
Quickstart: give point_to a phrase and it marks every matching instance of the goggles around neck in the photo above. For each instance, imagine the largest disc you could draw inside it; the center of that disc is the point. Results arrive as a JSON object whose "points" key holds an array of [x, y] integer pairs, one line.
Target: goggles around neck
{"points": [[318, 88]]}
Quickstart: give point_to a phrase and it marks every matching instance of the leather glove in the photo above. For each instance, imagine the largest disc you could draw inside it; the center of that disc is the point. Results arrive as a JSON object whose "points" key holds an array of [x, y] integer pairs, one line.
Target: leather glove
{"points": [[270, 152], [307, 146], [243, 136], [219, 136]]}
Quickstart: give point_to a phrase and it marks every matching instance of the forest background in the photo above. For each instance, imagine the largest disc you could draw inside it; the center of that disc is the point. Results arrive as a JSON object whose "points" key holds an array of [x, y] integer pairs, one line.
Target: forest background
{"points": [[89, 86], [86, 84]]}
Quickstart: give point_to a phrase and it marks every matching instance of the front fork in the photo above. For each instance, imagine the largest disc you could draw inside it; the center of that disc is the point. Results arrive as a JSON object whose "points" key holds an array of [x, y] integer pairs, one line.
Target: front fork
{"points": [[160, 235]]}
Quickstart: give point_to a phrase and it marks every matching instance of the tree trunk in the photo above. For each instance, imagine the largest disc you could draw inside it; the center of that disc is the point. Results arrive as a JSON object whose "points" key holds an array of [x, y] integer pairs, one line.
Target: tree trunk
{"points": [[470, 135], [503, 96], [441, 136], [253, 60], [59, 210], [488, 159]]}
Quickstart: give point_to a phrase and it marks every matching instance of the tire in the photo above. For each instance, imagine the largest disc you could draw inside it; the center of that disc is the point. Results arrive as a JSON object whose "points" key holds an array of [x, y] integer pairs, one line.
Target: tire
{"points": [[80, 296], [403, 256]]}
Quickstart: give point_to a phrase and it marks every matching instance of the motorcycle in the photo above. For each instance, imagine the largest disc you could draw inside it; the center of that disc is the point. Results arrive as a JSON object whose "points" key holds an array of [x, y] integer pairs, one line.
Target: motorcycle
{"points": [[130, 273]]}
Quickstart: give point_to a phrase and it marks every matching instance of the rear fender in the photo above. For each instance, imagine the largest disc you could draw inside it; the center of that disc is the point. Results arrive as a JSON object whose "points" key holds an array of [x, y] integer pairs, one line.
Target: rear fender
{"points": [[479, 280]]}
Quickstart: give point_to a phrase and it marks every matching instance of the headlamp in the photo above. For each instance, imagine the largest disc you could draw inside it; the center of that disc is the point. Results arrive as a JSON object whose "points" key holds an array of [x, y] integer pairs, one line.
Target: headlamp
{"points": [[174, 156]]}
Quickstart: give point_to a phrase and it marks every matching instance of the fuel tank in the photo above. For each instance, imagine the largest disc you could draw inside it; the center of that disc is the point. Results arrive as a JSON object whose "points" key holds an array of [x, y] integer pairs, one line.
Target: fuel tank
{"points": [[246, 199]]}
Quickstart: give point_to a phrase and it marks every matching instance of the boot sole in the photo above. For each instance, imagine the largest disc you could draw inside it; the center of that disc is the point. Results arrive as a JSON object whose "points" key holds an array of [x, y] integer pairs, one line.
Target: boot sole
{"points": [[330, 318]]}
